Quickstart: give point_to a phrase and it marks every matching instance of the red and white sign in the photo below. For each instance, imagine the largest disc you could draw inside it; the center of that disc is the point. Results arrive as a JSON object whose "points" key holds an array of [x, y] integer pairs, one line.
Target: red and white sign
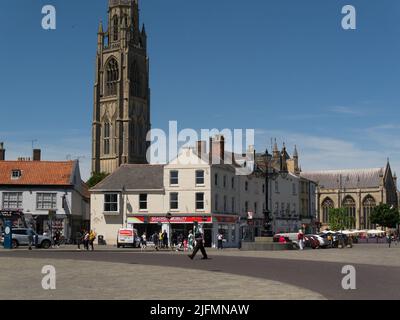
{"points": [[250, 215], [176, 220], [226, 219]]}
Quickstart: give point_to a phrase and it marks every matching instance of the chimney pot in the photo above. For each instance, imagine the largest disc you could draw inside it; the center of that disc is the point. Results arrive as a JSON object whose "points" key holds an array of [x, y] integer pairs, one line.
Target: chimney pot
{"points": [[2, 152], [217, 149], [37, 155]]}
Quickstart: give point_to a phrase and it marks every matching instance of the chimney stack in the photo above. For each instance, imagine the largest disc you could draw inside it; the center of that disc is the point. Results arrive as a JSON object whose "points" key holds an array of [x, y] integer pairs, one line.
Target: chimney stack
{"points": [[217, 150], [2, 152], [201, 147], [36, 155]]}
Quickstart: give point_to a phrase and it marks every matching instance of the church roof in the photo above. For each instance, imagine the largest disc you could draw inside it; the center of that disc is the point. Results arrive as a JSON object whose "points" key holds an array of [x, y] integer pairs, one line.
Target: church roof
{"points": [[352, 178]]}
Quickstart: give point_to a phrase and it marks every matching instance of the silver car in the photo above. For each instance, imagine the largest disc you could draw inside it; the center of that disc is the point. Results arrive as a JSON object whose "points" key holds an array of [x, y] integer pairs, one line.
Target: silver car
{"points": [[20, 238]]}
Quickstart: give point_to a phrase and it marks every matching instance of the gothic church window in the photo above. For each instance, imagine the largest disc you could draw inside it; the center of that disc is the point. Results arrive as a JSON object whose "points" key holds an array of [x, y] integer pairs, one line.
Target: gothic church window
{"points": [[369, 204], [326, 206], [112, 75], [115, 28], [107, 138], [350, 206]]}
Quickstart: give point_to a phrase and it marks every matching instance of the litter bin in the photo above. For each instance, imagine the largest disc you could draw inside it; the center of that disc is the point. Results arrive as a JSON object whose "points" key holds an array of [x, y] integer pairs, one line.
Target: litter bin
{"points": [[101, 241]]}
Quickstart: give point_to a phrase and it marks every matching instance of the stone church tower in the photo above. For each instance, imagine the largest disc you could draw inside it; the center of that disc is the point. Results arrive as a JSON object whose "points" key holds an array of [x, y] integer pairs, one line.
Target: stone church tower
{"points": [[121, 113]]}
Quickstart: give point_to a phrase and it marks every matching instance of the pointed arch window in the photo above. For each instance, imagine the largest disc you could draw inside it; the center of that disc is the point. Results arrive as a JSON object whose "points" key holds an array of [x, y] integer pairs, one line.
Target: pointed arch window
{"points": [[106, 136], [327, 205], [350, 208], [112, 76], [115, 28], [369, 204]]}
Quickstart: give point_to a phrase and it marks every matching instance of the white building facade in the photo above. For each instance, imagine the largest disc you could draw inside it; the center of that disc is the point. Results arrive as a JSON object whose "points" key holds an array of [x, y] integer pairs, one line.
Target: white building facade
{"points": [[190, 188], [50, 195]]}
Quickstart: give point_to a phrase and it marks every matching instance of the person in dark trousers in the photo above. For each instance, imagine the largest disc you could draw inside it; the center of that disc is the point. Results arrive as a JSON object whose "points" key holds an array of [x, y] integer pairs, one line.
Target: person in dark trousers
{"points": [[220, 238], [199, 246], [389, 239], [31, 234], [57, 236], [155, 241], [78, 239], [165, 239]]}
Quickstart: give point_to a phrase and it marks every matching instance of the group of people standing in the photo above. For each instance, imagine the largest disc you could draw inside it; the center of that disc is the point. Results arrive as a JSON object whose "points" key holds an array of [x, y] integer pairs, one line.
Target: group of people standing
{"points": [[86, 238], [161, 241]]}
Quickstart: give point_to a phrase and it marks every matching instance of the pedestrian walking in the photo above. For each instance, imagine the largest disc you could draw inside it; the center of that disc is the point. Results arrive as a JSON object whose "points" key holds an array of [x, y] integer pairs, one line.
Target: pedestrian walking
{"points": [[31, 234], [56, 238], [389, 239], [86, 240], [179, 246], [330, 240], [199, 237], [300, 238], [165, 239], [78, 238], [191, 240], [155, 239], [220, 238], [92, 237], [143, 242], [160, 239]]}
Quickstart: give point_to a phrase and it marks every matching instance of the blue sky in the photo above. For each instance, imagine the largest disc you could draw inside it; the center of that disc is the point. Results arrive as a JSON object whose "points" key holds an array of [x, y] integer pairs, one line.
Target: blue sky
{"points": [[285, 68]]}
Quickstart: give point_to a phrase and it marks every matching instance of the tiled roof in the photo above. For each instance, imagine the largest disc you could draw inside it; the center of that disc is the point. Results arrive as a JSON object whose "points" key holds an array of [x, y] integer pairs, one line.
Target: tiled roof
{"points": [[353, 178], [37, 172], [133, 177]]}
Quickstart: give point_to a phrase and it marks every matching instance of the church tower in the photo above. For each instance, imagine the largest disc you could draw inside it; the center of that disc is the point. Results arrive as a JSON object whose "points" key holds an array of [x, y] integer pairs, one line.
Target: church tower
{"points": [[121, 112]]}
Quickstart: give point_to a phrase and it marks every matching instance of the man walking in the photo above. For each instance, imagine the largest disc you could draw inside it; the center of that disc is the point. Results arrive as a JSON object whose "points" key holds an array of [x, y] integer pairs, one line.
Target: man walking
{"points": [[199, 244], [165, 239], [31, 234], [155, 240], [389, 239], [78, 239]]}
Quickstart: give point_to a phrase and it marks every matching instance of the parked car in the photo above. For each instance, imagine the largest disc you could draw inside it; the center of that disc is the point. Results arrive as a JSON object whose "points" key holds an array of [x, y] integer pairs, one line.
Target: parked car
{"points": [[289, 237], [20, 238], [128, 238]]}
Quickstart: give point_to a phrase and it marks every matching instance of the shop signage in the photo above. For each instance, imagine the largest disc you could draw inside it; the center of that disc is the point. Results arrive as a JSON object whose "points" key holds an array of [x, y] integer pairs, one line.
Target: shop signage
{"points": [[181, 219], [226, 219]]}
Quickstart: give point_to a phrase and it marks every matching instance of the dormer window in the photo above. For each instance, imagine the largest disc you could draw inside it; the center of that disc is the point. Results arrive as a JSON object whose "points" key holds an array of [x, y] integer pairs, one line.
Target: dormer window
{"points": [[16, 174]]}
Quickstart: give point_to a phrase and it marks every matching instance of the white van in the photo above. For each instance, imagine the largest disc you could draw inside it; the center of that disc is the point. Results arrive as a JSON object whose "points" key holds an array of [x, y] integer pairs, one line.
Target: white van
{"points": [[128, 237]]}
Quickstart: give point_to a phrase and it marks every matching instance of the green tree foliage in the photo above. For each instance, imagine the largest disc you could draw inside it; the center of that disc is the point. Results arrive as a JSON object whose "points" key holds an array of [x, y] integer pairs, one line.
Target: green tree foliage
{"points": [[339, 219], [385, 216], [96, 178]]}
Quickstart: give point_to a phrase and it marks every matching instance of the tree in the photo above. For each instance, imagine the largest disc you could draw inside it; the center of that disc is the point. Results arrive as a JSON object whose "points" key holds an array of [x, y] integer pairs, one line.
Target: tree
{"points": [[339, 219], [386, 216], [96, 178]]}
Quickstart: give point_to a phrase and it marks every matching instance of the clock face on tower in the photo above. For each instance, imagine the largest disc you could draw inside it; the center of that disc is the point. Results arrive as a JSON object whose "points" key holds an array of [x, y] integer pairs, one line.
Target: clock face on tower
{"points": [[7, 230]]}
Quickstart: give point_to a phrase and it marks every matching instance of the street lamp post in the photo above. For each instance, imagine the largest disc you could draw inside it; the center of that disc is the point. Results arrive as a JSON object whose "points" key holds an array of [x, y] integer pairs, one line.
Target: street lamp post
{"points": [[270, 174]]}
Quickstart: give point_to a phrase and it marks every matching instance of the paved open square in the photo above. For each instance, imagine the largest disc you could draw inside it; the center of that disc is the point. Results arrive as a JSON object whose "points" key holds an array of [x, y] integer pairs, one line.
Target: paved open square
{"points": [[110, 273]]}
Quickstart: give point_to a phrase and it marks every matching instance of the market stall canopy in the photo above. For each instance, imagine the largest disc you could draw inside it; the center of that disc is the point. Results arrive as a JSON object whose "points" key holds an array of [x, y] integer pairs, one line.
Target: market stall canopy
{"points": [[375, 232]]}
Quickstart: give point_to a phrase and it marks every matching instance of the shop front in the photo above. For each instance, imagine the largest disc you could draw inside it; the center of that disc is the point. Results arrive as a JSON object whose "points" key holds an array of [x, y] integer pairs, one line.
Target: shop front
{"points": [[178, 226], [174, 226]]}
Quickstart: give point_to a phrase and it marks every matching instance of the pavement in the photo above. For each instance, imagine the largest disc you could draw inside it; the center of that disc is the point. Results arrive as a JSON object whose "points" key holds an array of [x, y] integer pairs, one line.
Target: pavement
{"points": [[110, 273], [82, 280]]}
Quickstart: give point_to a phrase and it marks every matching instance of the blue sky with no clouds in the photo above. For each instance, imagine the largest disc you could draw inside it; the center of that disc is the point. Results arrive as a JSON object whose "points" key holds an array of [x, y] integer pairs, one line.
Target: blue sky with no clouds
{"points": [[285, 68]]}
